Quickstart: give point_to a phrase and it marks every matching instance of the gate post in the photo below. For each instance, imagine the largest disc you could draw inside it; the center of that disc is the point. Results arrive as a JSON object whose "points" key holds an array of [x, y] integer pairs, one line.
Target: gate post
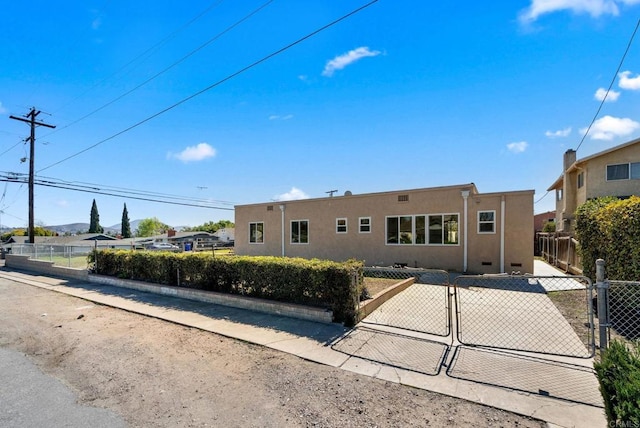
{"points": [[602, 288]]}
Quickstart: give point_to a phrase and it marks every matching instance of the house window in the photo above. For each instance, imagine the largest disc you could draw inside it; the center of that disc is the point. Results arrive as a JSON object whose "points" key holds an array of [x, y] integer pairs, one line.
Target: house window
{"points": [[486, 222], [341, 225], [580, 180], [365, 224], [300, 231], [403, 198], [256, 233], [439, 229], [623, 171], [559, 194], [618, 172], [443, 229]]}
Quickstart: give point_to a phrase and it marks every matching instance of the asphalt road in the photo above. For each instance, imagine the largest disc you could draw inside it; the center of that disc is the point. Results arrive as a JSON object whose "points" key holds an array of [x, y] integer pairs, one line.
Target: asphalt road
{"points": [[29, 398]]}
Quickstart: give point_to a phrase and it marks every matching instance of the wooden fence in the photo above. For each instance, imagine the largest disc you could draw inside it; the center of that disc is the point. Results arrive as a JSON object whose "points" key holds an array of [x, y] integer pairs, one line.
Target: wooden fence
{"points": [[560, 250]]}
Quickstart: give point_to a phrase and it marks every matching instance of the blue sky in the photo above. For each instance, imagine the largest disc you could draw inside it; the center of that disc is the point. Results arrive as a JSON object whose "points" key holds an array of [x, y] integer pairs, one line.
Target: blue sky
{"points": [[401, 95]]}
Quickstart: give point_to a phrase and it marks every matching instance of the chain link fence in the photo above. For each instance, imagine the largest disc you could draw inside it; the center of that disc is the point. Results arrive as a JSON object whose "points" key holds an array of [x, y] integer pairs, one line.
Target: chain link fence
{"points": [[624, 309], [549, 315], [424, 307], [60, 255]]}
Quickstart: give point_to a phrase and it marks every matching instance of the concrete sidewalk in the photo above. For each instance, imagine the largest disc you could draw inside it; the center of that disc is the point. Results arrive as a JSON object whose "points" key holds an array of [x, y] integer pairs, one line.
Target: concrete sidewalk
{"points": [[330, 344]]}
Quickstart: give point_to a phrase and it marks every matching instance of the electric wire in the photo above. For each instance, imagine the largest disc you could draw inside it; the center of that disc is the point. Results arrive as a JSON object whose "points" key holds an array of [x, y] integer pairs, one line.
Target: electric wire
{"points": [[542, 197], [615, 75], [140, 85], [122, 191], [106, 193], [219, 82], [146, 52]]}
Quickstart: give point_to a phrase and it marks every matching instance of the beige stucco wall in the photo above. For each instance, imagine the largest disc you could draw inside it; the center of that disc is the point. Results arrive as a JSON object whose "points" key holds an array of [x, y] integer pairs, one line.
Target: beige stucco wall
{"points": [[371, 247], [596, 174]]}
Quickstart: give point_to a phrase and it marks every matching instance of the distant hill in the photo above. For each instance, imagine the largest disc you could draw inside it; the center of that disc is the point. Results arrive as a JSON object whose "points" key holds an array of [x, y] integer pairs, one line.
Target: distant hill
{"points": [[76, 228]]}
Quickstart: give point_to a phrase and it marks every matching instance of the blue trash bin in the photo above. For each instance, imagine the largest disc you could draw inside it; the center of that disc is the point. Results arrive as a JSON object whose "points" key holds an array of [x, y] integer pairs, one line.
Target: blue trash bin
{"points": [[187, 246]]}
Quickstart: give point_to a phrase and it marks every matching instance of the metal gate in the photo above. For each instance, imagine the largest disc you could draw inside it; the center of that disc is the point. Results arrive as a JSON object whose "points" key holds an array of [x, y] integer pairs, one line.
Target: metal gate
{"points": [[424, 307], [548, 315]]}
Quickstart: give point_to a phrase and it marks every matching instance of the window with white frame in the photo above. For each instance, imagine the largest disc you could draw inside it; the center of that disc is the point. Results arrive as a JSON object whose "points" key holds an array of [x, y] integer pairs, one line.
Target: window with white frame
{"points": [[341, 225], [623, 171], [487, 221], [433, 229], [300, 231], [443, 229], [365, 224], [256, 233]]}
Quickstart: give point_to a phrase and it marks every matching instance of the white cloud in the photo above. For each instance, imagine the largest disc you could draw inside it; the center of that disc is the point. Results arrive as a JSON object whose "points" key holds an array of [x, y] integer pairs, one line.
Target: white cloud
{"points": [[518, 147], [2, 109], [612, 96], [609, 127], [341, 61], [194, 153], [278, 117], [559, 133], [595, 8], [62, 203], [303, 77], [292, 195], [627, 82]]}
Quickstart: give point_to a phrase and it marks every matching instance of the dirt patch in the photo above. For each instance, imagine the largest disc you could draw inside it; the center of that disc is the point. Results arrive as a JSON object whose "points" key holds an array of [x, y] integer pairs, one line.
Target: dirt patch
{"points": [[158, 374], [376, 285]]}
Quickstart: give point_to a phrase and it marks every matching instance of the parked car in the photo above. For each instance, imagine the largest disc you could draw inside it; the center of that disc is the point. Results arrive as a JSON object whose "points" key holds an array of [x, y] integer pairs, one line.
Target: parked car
{"points": [[163, 246]]}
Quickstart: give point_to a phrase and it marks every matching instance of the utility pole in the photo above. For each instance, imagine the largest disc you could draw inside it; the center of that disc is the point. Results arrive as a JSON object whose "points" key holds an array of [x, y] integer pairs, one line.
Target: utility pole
{"points": [[30, 118]]}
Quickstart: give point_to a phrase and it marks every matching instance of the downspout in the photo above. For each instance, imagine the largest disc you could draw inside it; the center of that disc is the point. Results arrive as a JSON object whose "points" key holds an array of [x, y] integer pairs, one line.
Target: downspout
{"points": [[465, 196], [502, 209], [282, 227]]}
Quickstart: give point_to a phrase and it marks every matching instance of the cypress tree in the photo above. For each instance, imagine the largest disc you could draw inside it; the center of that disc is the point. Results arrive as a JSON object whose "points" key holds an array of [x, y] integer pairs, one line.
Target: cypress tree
{"points": [[94, 223], [126, 226]]}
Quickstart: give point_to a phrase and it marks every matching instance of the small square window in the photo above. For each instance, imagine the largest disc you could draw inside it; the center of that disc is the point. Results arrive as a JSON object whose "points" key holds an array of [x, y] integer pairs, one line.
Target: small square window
{"points": [[341, 225], [256, 233], [486, 222], [300, 232], [403, 198], [365, 224]]}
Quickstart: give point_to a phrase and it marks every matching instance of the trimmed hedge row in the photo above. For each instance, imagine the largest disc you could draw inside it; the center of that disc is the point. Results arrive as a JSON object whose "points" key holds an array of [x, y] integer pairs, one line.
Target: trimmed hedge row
{"points": [[619, 377], [314, 282], [609, 228]]}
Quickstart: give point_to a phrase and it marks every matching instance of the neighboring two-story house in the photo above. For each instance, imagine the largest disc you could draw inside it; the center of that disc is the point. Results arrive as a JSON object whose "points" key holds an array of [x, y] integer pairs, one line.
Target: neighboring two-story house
{"points": [[454, 228], [612, 172]]}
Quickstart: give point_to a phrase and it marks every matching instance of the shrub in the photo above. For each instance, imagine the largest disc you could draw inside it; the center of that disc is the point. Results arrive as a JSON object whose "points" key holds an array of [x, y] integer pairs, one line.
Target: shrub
{"points": [[609, 228], [314, 282], [619, 377]]}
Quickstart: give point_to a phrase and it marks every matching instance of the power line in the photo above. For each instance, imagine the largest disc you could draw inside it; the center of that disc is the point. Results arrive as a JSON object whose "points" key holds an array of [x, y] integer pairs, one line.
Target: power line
{"points": [[610, 85], [149, 51], [96, 191], [544, 196], [20, 177], [219, 82]]}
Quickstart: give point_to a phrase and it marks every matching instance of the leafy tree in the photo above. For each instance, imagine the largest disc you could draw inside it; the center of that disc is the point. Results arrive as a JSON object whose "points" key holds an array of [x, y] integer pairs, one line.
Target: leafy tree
{"points": [[150, 227], [549, 227], [37, 231], [94, 223], [210, 226], [126, 225]]}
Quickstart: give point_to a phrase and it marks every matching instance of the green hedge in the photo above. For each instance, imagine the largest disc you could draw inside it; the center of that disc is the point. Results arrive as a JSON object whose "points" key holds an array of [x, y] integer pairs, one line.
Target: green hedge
{"points": [[609, 228], [619, 377], [332, 285]]}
